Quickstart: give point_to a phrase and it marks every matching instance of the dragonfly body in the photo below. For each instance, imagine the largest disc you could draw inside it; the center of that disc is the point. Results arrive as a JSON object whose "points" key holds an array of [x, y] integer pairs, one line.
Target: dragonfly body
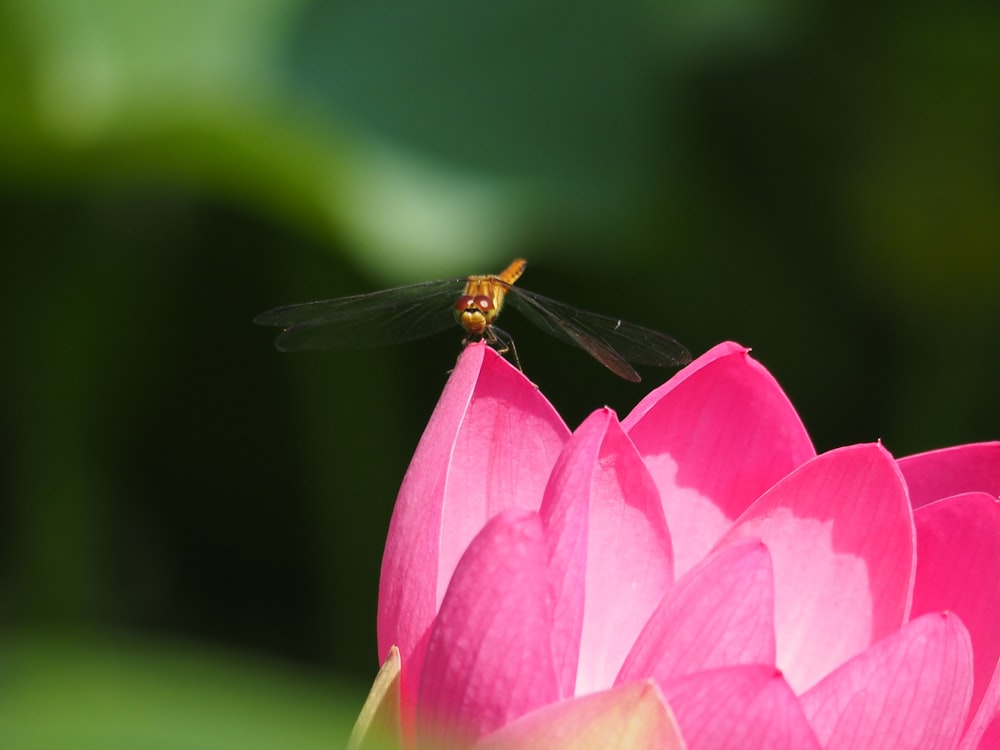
{"points": [[476, 310], [418, 310]]}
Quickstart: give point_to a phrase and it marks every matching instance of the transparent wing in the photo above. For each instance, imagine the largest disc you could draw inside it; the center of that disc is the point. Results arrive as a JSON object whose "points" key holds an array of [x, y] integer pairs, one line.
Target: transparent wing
{"points": [[611, 341], [390, 316]]}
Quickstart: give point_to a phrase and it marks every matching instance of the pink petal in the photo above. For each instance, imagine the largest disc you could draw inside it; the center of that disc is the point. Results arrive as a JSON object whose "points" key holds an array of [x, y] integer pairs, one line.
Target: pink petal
{"points": [[952, 471], [990, 739], [745, 707], [489, 659], [715, 436], [490, 444], [909, 691], [629, 717], [721, 613], [983, 732], [841, 537], [958, 568], [611, 559]]}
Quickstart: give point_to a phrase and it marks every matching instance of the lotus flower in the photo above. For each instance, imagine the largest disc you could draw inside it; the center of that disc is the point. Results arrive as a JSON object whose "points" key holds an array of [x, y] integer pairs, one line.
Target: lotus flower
{"points": [[693, 576]]}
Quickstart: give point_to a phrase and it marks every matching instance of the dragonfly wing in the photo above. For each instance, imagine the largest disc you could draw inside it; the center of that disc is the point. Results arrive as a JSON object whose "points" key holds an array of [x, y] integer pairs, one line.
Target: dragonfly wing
{"points": [[389, 316], [611, 341]]}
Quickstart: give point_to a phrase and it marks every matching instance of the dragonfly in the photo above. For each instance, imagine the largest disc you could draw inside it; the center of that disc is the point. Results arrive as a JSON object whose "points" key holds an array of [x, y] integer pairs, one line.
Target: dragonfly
{"points": [[415, 311]]}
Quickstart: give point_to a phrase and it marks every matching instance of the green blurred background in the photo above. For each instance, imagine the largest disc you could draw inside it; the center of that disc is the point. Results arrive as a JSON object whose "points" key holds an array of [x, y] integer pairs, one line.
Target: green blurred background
{"points": [[191, 523]]}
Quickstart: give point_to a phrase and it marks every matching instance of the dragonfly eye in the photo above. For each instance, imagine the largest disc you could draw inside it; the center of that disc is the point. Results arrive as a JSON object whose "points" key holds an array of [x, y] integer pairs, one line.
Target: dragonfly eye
{"points": [[480, 303]]}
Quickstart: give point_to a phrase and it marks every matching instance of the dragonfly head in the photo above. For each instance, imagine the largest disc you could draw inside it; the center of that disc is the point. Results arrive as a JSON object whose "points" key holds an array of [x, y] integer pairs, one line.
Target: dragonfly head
{"points": [[475, 313]]}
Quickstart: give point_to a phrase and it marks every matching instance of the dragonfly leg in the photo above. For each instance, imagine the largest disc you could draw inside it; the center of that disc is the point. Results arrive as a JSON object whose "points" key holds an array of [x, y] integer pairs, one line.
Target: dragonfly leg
{"points": [[503, 342]]}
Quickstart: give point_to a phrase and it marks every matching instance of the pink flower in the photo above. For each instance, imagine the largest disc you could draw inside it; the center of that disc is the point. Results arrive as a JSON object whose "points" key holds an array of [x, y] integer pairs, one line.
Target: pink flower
{"points": [[693, 576]]}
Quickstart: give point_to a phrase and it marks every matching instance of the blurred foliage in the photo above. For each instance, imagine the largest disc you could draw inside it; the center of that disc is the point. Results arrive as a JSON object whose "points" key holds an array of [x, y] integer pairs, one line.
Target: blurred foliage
{"points": [[79, 691], [818, 180]]}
